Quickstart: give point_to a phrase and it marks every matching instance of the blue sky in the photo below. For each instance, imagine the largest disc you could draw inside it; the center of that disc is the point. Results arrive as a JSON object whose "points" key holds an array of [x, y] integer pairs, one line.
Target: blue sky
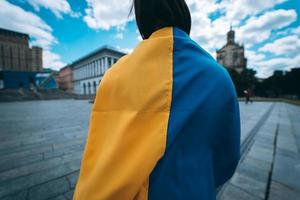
{"points": [[67, 30]]}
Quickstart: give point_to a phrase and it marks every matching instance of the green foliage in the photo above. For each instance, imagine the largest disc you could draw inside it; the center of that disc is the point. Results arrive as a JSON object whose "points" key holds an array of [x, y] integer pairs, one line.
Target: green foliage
{"points": [[243, 81], [280, 84], [283, 84]]}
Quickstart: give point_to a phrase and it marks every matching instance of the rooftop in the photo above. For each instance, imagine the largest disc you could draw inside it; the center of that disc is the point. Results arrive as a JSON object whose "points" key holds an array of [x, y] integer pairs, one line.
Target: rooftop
{"points": [[12, 33], [99, 50]]}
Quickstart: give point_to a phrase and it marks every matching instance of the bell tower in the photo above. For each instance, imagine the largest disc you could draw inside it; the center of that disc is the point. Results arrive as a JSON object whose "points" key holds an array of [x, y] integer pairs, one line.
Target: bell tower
{"points": [[230, 36]]}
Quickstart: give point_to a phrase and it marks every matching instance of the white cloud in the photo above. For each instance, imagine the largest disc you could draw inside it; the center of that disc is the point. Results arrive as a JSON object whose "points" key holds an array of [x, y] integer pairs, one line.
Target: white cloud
{"points": [[287, 56], [106, 14], [125, 50], [58, 7], [258, 29], [267, 67], [211, 34], [296, 30], [289, 45], [254, 56], [52, 60], [16, 19], [119, 36], [289, 31], [237, 10]]}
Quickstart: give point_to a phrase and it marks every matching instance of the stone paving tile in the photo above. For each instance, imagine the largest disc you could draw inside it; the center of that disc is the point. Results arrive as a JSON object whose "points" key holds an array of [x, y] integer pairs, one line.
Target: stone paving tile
{"points": [[261, 154], [55, 141], [235, 193], [20, 153], [37, 137], [258, 173], [249, 184], [20, 195], [60, 197], [39, 166], [49, 189], [24, 182], [287, 171], [259, 164], [12, 163], [287, 142], [286, 153], [281, 192]]}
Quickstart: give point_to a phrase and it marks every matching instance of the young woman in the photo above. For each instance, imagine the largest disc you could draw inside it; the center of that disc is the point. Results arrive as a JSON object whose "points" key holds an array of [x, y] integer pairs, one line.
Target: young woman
{"points": [[165, 123]]}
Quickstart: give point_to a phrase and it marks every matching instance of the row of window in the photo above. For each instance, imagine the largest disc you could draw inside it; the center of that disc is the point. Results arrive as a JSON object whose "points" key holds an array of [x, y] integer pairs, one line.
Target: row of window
{"points": [[94, 68], [90, 88]]}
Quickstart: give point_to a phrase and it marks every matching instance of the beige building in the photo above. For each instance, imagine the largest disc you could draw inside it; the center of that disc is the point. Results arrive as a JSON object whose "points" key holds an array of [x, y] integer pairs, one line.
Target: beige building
{"points": [[16, 55], [232, 55], [65, 79]]}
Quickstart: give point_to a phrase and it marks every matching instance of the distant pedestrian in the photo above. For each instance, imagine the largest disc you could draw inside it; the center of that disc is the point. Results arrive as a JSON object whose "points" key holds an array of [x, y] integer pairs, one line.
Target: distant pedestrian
{"points": [[165, 123], [248, 95]]}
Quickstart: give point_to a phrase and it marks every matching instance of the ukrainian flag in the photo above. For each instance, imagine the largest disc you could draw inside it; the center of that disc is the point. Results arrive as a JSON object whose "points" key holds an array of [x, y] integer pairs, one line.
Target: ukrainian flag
{"points": [[165, 125]]}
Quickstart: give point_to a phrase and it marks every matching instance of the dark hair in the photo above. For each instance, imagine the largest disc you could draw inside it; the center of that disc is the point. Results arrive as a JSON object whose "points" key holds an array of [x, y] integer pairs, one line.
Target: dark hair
{"points": [[152, 15]]}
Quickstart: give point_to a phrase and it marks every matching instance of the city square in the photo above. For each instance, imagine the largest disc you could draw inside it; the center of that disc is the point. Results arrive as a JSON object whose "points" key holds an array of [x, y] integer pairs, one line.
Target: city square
{"points": [[41, 146], [150, 91]]}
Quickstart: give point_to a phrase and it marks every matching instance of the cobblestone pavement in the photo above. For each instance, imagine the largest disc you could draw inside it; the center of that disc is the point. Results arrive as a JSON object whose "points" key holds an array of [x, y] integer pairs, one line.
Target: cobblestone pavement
{"points": [[41, 144], [270, 165]]}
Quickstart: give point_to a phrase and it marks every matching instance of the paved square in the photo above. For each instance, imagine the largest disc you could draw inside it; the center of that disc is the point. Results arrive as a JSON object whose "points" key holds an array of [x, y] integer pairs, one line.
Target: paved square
{"points": [[41, 144]]}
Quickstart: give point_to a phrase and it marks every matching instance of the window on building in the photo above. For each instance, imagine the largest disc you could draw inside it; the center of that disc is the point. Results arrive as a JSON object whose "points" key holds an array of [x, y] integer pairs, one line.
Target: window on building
{"points": [[93, 69], [2, 57], [96, 68], [11, 58], [102, 66], [89, 89], [84, 89], [95, 87], [81, 72], [87, 71], [90, 70], [99, 67], [235, 56]]}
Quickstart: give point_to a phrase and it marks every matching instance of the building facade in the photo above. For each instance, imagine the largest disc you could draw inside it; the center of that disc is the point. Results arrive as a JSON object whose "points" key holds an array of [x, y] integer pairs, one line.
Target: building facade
{"points": [[89, 70], [232, 55], [65, 79], [16, 55]]}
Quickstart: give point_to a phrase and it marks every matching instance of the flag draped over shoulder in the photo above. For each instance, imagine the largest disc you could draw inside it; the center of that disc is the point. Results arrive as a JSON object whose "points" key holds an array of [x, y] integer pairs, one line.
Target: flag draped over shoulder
{"points": [[165, 125]]}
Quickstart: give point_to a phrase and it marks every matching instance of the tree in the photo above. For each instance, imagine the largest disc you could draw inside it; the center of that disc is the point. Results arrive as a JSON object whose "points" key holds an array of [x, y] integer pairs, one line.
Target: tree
{"points": [[243, 81]]}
